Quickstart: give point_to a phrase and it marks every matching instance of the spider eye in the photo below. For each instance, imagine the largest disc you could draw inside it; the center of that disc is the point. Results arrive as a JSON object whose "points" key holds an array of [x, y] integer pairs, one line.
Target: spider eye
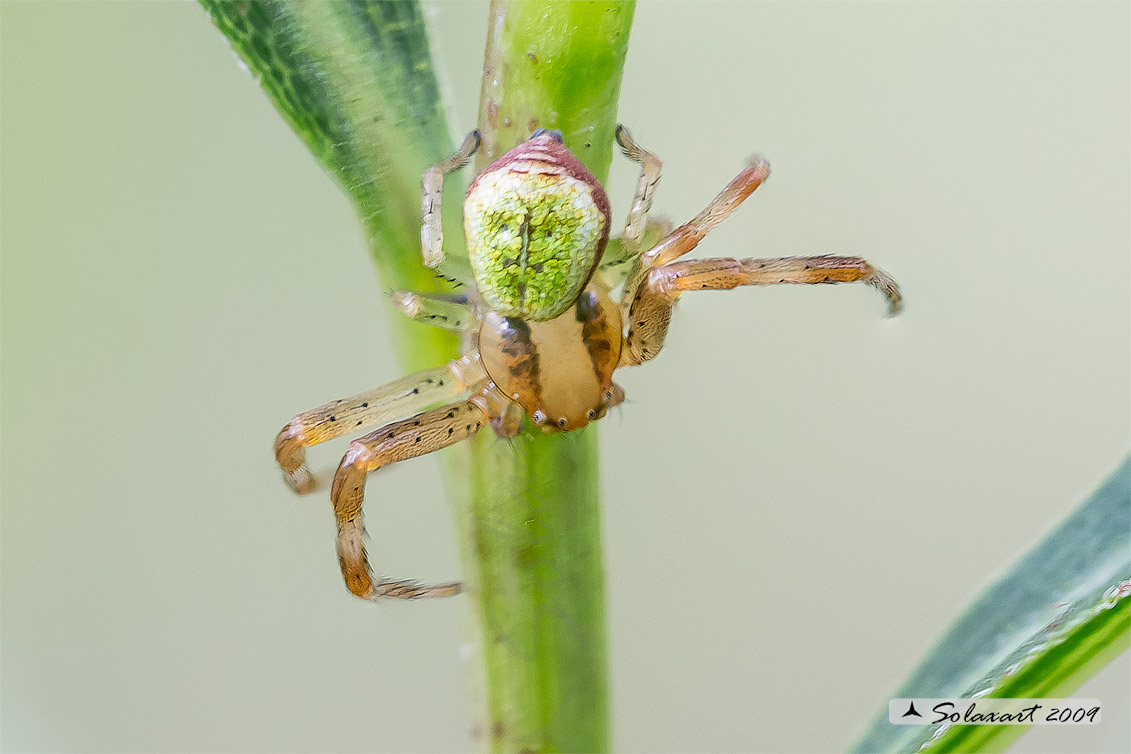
{"points": [[561, 422], [592, 414]]}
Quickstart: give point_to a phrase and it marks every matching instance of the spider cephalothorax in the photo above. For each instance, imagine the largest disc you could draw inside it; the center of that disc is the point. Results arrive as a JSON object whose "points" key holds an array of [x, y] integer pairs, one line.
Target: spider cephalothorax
{"points": [[544, 331]]}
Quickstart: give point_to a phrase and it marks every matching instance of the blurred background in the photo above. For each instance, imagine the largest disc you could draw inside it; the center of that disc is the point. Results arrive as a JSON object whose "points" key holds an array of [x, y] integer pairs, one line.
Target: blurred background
{"points": [[798, 498]]}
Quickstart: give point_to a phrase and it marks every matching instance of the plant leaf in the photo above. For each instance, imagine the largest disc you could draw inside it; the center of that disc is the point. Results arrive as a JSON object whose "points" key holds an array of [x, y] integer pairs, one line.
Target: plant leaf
{"points": [[355, 81], [1057, 617]]}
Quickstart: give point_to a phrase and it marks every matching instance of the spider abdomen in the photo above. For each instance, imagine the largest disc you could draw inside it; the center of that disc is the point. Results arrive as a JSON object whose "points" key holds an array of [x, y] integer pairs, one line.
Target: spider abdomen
{"points": [[560, 371], [536, 222]]}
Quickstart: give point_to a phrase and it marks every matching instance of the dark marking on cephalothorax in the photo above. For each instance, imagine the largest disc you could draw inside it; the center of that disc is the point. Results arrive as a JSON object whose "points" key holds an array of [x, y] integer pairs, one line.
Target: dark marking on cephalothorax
{"points": [[587, 308], [602, 337], [521, 354]]}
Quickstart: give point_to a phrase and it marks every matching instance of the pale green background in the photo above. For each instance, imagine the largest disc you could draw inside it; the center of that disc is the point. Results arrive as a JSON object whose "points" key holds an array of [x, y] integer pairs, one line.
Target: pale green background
{"points": [[798, 498]]}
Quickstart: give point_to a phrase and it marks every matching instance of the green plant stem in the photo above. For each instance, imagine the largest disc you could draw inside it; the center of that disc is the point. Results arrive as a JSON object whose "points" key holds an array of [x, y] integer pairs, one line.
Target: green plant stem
{"points": [[532, 536]]}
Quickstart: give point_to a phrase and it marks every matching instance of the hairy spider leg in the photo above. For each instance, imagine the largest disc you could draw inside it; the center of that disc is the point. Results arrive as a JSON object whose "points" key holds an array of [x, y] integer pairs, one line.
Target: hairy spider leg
{"points": [[399, 441], [651, 168], [651, 310], [401, 397], [619, 259], [622, 261], [687, 236], [431, 195], [508, 421], [448, 311]]}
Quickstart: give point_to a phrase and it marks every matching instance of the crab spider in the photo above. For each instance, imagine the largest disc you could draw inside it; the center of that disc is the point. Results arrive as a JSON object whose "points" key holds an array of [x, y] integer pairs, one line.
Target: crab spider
{"points": [[544, 331]]}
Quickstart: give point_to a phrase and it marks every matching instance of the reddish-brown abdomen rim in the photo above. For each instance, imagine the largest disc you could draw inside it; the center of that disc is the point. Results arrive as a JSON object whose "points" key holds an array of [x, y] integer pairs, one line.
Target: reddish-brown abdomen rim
{"points": [[547, 149]]}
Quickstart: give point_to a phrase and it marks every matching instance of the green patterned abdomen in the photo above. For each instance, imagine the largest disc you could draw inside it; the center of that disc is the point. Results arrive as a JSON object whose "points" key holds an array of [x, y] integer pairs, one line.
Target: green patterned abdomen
{"points": [[533, 238]]}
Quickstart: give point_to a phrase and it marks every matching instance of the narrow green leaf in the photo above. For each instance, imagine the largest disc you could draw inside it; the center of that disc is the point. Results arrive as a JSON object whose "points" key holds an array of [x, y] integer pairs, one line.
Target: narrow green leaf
{"points": [[1058, 616], [355, 81]]}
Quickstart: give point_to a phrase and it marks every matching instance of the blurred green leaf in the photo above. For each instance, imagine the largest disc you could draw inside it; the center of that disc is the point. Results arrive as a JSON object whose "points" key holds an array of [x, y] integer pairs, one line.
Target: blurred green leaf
{"points": [[1058, 616], [355, 81]]}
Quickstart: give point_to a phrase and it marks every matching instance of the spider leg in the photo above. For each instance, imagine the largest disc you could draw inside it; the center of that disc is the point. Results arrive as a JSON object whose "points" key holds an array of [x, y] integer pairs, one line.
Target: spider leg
{"points": [[651, 168], [687, 236], [621, 258], [399, 441], [449, 311], [431, 227], [508, 421], [651, 308], [398, 398]]}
